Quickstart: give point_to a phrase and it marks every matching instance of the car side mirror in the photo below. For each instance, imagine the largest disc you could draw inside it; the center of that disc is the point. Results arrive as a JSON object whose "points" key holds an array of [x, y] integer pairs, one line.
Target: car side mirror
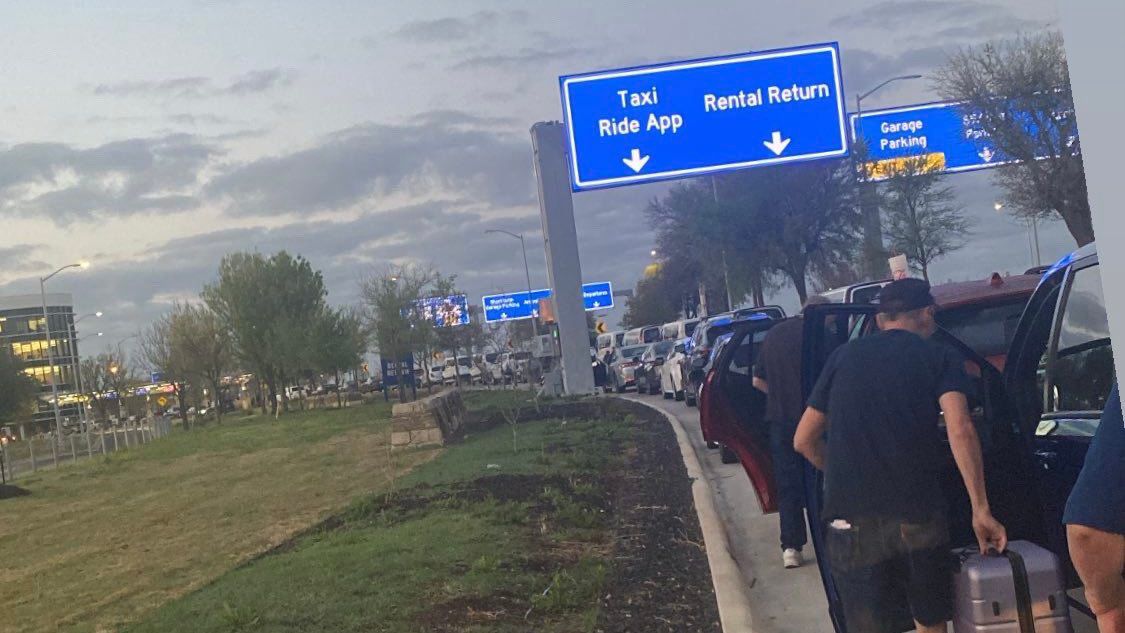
{"points": [[679, 348]]}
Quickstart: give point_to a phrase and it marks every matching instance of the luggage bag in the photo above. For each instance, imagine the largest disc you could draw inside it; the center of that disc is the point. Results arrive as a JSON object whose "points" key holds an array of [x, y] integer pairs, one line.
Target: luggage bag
{"points": [[1018, 591]]}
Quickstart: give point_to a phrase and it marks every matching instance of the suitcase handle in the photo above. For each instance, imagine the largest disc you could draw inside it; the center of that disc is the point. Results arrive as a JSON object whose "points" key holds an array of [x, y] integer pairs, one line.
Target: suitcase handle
{"points": [[1023, 590]]}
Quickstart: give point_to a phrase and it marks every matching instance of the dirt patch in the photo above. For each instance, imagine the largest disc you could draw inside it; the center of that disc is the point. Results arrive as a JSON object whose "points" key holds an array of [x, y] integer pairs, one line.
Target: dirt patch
{"points": [[661, 580], [8, 491]]}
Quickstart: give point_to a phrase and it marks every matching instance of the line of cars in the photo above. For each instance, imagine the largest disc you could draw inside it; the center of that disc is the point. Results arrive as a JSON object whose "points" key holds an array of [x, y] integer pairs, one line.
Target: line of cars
{"points": [[1037, 348]]}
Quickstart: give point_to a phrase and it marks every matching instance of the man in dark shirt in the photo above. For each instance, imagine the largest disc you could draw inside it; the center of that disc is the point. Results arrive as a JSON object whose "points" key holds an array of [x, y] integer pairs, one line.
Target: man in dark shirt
{"points": [[878, 399], [1095, 519], [777, 373]]}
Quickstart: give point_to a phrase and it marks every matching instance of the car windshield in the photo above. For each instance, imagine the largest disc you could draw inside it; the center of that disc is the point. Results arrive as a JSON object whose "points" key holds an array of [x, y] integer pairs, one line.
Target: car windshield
{"points": [[650, 335], [662, 348], [689, 327], [987, 328], [634, 352], [715, 331]]}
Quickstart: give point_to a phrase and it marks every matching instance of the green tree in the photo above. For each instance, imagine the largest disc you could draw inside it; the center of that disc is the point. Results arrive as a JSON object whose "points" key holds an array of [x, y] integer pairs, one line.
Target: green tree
{"points": [[1021, 90], [17, 390], [389, 300], [269, 306], [654, 302], [339, 343], [923, 219]]}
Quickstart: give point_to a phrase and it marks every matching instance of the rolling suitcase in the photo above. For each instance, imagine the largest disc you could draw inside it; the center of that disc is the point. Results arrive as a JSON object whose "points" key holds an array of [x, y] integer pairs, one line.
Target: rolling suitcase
{"points": [[1019, 591]]}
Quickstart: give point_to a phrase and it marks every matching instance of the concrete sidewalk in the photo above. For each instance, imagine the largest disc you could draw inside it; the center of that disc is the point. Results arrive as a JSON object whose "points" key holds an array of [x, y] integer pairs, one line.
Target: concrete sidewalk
{"points": [[781, 600]]}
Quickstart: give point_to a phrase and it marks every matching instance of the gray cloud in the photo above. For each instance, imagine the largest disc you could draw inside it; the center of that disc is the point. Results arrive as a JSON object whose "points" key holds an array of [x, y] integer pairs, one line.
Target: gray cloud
{"points": [[374, 159], [451, 29], [19, 259], [179, 87], [863, 69], [253, 82], [257, 81], [117, 178], [893, 14], [525, 56]]}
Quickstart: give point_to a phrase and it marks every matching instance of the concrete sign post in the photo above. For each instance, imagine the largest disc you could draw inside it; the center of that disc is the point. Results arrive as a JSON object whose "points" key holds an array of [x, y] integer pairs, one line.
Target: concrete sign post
{"points": [[556, 211], [1092, 33]]}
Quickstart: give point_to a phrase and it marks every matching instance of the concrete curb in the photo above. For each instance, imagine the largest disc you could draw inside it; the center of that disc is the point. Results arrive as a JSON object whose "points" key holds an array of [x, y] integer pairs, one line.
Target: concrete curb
{"points": [[730, 590]]}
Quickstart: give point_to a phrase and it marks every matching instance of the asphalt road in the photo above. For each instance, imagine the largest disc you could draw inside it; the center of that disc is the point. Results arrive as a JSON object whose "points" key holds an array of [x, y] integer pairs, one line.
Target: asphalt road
{"points": [[782, 600]]}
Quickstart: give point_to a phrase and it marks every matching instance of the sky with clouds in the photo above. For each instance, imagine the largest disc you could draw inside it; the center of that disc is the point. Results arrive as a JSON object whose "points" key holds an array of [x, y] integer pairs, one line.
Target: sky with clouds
{"points": [[151, 138]]}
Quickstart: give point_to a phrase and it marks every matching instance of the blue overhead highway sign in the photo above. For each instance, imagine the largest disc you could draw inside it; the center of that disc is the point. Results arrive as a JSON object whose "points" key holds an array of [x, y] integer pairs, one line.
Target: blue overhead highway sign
{"points": [[702, 116], [947, 134], [597, 296], [514, 306]]}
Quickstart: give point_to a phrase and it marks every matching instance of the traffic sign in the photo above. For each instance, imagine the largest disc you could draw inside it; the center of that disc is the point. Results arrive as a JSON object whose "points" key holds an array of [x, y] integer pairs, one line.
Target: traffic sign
{"points": [[514, 306], [702, 116], [947, 135], [597, 296]]}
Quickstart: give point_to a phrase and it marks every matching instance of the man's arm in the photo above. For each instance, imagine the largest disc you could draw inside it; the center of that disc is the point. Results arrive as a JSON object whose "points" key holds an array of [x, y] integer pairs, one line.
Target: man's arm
{"points": [[965, 444], [761, 385], [809, 438]]}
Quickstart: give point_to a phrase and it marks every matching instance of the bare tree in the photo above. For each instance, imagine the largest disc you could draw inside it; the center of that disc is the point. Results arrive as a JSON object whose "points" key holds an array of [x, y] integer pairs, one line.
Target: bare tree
{"points": [[202, 349], [923, 219], [160, 354], [1018, 91]]}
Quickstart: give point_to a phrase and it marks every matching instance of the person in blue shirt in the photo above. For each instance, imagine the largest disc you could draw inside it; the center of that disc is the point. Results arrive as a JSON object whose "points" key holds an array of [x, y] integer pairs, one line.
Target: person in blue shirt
{"points": [[1095, 519]]}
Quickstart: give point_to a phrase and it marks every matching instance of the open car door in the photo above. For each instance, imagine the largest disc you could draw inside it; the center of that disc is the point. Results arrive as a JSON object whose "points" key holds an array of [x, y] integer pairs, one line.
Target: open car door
{"points": [[734, 412], [1008, 471]]}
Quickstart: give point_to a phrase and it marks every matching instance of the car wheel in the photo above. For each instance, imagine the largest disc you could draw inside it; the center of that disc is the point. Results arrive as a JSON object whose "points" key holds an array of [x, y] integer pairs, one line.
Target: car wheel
{"points": [[679, 396], [619, 388], [713, 445], [668, 395], [727, 455]]}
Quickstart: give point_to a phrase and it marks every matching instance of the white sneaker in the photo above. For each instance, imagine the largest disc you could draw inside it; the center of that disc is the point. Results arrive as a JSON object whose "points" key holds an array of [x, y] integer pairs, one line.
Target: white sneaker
{"points": [[792, 558]]}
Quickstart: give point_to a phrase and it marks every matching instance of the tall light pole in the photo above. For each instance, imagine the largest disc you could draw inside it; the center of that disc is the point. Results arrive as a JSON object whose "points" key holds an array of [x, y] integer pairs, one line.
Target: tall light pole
{"points": [[73, 333], [50, 355], [526, 270], [872, 227]]}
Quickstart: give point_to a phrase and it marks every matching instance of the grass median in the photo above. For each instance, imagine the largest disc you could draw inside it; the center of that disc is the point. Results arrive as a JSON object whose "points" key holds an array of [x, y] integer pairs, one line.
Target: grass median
{"points": [[101, 543], [485, 537]]}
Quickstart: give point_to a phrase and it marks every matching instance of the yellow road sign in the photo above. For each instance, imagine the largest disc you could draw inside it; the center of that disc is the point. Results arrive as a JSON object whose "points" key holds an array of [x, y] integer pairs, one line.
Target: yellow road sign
{"points": [[601, 327]]}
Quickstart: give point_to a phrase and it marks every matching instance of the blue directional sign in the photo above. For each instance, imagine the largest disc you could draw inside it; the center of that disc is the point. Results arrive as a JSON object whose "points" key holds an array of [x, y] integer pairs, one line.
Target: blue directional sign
{"points": [[514, 306], [707, 115], [597, 296], [947, 134]]}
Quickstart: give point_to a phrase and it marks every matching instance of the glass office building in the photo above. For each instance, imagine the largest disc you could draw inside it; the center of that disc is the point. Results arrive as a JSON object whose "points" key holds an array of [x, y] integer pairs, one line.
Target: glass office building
{"points": [[24, 334]]}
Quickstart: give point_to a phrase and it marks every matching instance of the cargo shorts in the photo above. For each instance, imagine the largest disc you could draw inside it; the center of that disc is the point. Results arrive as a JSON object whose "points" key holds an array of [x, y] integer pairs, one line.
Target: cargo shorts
{"points": [[886, 570]]}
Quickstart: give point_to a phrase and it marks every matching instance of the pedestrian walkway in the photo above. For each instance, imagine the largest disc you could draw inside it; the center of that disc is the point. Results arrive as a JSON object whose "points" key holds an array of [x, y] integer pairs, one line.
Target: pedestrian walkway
{"points": [[781, 600]]}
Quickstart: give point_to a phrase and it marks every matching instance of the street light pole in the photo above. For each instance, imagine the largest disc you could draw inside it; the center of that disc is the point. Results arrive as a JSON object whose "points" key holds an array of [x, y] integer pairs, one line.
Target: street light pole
{"points": [[50, 355], [526, 270], [873, 230], [77, 365]]}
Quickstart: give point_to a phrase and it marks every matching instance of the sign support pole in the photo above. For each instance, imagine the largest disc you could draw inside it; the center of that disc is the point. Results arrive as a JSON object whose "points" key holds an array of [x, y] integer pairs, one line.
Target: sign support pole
{"points": [[556, 211], [1091, 32]]}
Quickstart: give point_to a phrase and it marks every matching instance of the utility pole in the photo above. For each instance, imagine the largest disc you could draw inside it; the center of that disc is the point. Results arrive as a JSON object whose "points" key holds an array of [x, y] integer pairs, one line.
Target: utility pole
{"points": [[726, 271]]}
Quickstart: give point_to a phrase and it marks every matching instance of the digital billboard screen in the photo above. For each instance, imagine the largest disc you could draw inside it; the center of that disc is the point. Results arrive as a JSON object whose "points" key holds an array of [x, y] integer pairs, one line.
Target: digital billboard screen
{"points": [[444, 311]]}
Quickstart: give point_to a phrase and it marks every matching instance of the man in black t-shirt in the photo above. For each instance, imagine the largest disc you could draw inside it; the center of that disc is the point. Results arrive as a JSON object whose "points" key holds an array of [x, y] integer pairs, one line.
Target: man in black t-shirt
{"points": [[777, 373], [879, 399]]}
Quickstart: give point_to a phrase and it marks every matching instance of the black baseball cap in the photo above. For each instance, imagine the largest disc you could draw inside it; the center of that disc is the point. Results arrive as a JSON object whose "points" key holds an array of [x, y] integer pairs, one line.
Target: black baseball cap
{"points": [[904, 295]]}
